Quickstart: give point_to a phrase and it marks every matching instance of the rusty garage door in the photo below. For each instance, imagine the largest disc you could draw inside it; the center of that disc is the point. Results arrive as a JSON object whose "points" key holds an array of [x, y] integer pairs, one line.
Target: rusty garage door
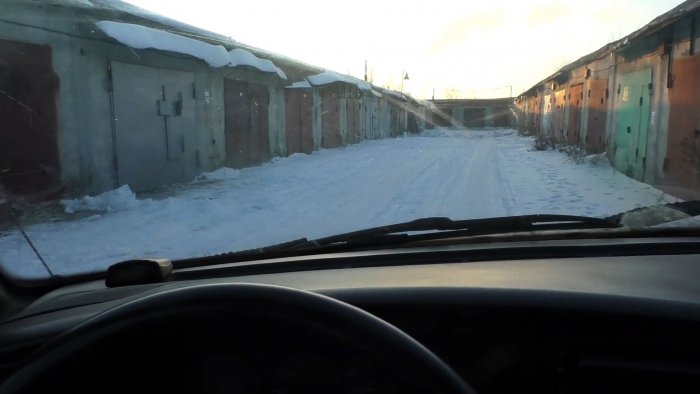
{"points": [[558, 110], [299, 121], [246, 123], [597, 115], [330, 115], [354, 108], [29, 162], [682, 163], [154, 122], [575, 101], [547, 109], [536, 114]]}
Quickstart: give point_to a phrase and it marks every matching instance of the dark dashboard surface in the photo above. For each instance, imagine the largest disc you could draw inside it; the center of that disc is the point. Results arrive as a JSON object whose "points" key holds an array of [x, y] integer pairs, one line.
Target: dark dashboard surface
{"points": [[608, 324]]}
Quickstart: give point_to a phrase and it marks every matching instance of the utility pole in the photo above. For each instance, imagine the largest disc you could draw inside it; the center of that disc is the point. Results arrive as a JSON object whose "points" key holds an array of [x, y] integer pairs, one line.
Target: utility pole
{"points": [[365, 70], [433, 94]]}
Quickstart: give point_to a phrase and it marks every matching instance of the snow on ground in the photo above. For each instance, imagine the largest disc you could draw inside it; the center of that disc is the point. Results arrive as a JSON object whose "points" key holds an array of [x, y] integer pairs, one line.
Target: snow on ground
{"points": [[459, 174]]}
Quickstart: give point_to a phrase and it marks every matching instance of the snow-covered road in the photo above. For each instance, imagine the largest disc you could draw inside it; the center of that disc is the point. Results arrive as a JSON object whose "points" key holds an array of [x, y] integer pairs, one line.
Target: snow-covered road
{"points": [[459, 174]]}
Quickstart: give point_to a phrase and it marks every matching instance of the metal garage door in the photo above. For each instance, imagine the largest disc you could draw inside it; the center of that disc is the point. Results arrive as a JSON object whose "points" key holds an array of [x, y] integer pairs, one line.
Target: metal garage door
{"points": [[575, 99], [682, 164], [154, 118], [29, 161], [632, 123], [558, 111], [597, 115], [354, 106], [246, 123], [299, 121], [330, 116]]}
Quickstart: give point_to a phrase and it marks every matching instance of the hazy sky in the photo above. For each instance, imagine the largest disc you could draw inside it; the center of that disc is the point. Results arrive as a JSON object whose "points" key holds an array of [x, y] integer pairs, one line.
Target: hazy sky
{"points": [[474, 47]]}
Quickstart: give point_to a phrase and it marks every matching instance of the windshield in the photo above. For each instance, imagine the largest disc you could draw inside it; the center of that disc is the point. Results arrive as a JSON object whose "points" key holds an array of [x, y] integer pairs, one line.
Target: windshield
{"points": [[178, 129]]}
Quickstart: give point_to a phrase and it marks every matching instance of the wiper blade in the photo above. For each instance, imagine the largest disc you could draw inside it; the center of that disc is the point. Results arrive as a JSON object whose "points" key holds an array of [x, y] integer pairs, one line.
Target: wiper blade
{"points": [[422, 229], [442, 227]]}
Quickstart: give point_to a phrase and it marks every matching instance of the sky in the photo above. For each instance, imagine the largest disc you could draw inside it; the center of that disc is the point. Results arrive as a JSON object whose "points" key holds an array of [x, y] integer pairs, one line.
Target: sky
{"points": [[456, 48]]}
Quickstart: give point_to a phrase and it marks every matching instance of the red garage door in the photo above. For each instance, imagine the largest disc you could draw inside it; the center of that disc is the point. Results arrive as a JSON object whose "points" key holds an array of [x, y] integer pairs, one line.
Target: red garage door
{"points": [[29, 161], [682, 164], [246, 123], [299, 121], [597, 115], [330, 115]]}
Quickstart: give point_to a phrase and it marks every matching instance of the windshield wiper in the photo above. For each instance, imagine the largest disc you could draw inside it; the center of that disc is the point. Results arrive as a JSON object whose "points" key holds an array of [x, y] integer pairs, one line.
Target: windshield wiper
{"points": [[442, 227], [418, 230]]}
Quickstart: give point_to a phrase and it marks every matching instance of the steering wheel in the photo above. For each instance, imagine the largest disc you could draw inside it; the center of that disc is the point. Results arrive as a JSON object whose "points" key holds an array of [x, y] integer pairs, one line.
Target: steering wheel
{"points": [[154, 325]]}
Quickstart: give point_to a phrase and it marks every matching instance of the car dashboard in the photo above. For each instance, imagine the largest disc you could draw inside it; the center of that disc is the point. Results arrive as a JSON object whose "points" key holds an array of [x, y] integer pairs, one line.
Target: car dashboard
{"points": [[564, 325]]}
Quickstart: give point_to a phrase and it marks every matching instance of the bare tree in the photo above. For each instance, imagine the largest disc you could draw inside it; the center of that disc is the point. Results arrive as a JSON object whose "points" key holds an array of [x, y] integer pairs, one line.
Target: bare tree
{"points": [[452, 93]]}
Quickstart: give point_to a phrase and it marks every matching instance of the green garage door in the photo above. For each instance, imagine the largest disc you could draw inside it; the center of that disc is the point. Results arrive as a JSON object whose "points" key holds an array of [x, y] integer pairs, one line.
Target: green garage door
{"points": [[632, 125]]}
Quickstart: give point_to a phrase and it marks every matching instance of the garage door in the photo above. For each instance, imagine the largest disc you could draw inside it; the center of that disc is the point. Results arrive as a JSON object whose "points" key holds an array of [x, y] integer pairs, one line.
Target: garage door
{"points": [[247, 123], [29, 161], [597, 114], [299, 121], [330, 117], [632, 123], [154, 118]]}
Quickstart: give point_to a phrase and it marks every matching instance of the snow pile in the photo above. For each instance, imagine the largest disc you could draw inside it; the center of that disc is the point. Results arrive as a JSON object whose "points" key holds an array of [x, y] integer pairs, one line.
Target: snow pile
{"points": [[142, 37], [241, 57], [693, 221], [600, 159], [329, 77], [119, 199]]}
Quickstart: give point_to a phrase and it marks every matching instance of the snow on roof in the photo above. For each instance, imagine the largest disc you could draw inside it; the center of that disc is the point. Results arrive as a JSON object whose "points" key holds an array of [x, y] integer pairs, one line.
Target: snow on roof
{"points": [[299, 85], [328, 77], [241, 57], [142, 37]]}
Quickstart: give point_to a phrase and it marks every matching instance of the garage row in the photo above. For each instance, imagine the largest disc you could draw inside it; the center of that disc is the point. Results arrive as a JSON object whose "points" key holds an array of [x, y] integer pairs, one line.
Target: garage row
{"points": [[98, 95], [636, 99]]}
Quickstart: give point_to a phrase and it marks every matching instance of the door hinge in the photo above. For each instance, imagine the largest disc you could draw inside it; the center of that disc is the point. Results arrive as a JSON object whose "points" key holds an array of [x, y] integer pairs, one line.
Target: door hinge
{"points": [[641, 100]]}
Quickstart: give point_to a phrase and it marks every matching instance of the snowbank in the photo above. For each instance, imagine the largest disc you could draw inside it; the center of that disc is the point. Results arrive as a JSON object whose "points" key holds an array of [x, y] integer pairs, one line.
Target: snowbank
{"points": [[600, 159], [142, 37], [119, 199], [693, 221]]}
